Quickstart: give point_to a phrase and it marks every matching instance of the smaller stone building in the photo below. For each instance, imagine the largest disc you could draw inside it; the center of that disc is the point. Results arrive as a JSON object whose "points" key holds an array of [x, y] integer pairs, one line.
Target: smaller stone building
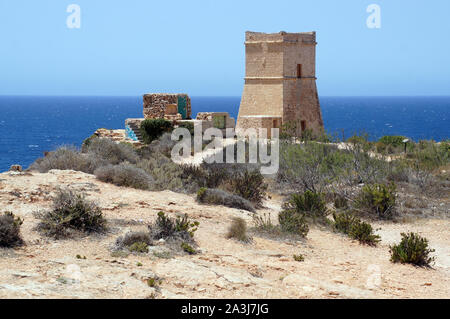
{"points": [[167, 105], [175, 108]]}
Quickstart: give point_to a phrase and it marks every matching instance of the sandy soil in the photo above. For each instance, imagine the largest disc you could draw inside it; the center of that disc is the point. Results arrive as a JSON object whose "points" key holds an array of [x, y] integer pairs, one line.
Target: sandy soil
{"points": [[334, 266]]}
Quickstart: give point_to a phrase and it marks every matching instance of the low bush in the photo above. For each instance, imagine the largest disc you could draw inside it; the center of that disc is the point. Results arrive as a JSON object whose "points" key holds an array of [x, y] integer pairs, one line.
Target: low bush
{"points": [[309, 204], [87, 142], [165, 174], [67, 158], [264, 222], [166, 227], [71, 212], [162, 145], [394, 141], [340, 202], [152, 129], [219, 197], [134, 241], [238, 230], [188, 249], [249, 185], [112, 152], [139, 247], [299, 258], [378, 200], [399, 171], [363, 232], [293, 222], [10, 230], [343, 222], [352, 226], [124, 174], [412, 249]]}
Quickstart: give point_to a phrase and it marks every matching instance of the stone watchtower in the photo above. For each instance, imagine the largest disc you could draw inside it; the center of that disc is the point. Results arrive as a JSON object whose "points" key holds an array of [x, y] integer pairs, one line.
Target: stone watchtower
{"points": [[280, 82]]}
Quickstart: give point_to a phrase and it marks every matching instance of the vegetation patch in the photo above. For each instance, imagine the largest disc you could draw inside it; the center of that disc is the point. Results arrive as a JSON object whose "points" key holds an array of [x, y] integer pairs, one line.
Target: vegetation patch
{"points": [[10, 230], [238, 230], [378, 200], [293, 222], [308, 204], [249, 185], [71, 212], [124, 174], [67, 158], [152, 129], [214, 196], [134, 242], [180, 227], [352, 226], [412, 249]]}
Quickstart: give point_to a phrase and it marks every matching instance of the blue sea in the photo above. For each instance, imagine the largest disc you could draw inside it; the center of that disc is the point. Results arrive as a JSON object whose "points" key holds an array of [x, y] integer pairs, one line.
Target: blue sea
{"points": [[31, 125]]}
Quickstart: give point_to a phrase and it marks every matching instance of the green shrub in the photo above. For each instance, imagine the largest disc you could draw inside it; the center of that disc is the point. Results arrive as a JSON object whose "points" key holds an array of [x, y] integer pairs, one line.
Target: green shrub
{"points": [[378, 200], [10, 230], [343, 222], [177, 228], [187, 125], [71, 212], [238, 230], [299, 258], [309, 204], [264, 222], [380, 147], [412, 249], [67, 158], [394, 141], [133, 241], [355, 228], [162, 145], [363, 232], [188, 248], [293, 222], [165, 174], [87, 142], [112, 152], [124, 174], [219, 197], [311, 166], [248, 185], [398, 171], [340, 202], [139, 247], [152, 129]]}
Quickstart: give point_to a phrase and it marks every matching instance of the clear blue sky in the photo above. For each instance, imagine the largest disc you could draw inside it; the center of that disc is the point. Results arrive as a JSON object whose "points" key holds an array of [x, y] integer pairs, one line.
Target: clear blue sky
{"points": [[137, 46]]}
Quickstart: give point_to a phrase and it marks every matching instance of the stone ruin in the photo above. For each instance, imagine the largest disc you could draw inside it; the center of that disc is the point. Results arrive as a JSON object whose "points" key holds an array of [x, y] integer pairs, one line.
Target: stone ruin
{"points": [[167, 106], [175, 108]]}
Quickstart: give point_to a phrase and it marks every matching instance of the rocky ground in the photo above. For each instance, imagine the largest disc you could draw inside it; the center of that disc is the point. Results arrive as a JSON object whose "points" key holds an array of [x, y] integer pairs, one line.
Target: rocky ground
{"points": [[334, 266]]}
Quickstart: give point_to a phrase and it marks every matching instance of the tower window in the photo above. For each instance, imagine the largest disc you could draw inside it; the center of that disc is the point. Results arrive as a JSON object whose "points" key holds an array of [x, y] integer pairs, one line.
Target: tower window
{"points": [[299, 71], [303, 125]]}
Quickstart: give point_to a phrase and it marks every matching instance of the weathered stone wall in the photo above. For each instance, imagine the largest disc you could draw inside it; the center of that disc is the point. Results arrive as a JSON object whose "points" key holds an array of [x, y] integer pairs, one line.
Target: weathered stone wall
{"points": [[272, 87], [256, 122], [160, 105]]}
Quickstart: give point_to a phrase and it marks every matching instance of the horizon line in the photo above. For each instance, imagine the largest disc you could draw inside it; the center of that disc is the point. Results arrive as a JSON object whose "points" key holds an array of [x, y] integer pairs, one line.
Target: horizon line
{"points": [[140, 95]]}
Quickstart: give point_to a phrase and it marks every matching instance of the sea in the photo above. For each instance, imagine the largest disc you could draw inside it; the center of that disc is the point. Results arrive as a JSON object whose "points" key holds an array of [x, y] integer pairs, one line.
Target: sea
{"points": [[30, 125]]}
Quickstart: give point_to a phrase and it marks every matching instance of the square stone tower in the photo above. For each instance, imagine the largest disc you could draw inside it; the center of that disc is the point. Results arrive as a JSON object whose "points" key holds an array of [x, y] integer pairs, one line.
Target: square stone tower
{"points": [[280, 82]]}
